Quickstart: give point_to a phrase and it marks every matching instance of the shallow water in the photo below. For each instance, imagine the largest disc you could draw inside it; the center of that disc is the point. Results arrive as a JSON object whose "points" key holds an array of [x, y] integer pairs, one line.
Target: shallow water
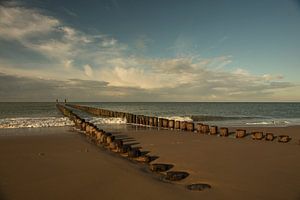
{"points": [[18, 115]]}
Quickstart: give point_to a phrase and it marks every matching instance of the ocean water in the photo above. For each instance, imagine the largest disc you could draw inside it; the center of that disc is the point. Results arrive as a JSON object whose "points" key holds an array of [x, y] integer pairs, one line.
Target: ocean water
{"points": [[19, 115]]}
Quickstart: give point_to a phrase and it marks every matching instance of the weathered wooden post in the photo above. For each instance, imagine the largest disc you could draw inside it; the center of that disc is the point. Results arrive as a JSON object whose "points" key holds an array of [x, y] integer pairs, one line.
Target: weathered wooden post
{"points": [[165, 123], [151, 121], [257, 135], [155, 121], [138, 119], [171, 124], [134, 119], [146, 120], [283, 138], [213, 130], [240, 133], [190, 126], [128, 118], [270, 136], [177, 124], [143, 120], [199, 127], [160, 122], [183, 125], [224, 131], [205, 129]]}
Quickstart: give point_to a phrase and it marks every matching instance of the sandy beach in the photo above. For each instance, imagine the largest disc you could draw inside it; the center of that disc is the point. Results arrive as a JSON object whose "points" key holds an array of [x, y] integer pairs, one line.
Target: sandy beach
{"points": [[58, 163], [61, 164], [236, 168]]}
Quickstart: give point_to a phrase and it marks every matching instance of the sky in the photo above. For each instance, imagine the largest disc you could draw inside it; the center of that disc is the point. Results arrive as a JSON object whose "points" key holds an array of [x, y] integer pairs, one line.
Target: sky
{"points": [[158, 50]]}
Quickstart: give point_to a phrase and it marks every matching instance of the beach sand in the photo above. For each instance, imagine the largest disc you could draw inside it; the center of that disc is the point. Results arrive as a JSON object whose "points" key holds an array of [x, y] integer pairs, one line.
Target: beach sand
{"points": [[57, 163], [236, 168], [61, 164]]}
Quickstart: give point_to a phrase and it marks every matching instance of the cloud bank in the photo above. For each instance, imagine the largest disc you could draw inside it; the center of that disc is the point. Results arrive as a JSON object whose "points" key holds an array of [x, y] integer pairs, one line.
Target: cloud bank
{"points": [[97, 67]]}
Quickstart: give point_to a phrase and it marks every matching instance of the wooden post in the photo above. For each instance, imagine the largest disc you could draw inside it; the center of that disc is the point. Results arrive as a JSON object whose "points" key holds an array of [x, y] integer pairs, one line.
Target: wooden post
{"points": [[134, 119], [171, 124], [155, 121], [177, 124], [165, 123], [146, 122], [257, 135], [199, 127], [183, 125], [283, 138], [151, 121], [190, 126], [213, 130], [205, 129], [224, 132], [270, 136], [160, 122], [240, 133]]}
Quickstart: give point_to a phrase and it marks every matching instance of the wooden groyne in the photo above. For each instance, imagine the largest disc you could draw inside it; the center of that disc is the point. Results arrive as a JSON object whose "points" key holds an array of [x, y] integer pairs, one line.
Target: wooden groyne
{"points": [[163, 123], [104, 139]]}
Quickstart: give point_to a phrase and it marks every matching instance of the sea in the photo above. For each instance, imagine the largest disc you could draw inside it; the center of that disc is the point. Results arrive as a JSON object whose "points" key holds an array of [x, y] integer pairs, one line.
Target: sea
{"points": [[45, 114]]}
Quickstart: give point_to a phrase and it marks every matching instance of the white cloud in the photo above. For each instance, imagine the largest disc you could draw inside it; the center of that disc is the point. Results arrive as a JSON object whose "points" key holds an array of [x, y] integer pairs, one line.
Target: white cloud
{"points": [[68, 64], [180, 78], [20, 22], [88, 70], [108, 42]]}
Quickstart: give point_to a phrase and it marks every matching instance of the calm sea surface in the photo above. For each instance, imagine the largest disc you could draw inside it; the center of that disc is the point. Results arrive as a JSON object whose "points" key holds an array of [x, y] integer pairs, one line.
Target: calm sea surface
{"points": [[15, 115]]}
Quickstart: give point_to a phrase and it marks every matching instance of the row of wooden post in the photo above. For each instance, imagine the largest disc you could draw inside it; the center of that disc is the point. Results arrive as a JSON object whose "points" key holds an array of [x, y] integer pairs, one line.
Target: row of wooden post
{"points": [[107, 140], [100, 137], [177, 125]]}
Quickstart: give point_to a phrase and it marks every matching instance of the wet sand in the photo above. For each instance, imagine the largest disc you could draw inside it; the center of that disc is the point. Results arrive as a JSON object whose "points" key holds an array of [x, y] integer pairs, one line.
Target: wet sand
{"points": [[61, 164], [56, 163]]}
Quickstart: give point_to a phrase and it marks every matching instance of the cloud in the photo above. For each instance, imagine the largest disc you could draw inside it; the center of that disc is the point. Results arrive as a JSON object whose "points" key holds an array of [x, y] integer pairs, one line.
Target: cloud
{"points": [[108, 42], [68, 64], [99, 67], [88, 70], [19, 88], [20, 22]]}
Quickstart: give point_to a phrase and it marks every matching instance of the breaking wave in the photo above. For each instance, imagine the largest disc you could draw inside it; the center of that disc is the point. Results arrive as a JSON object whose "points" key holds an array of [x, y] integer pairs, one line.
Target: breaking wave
{"points": [[106, 120], [37, 122], [269, 123], [179, 118], [218, 118]]}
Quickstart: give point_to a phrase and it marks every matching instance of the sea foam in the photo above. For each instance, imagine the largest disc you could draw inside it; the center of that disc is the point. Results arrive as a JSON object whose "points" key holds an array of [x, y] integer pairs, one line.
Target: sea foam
{"points": [[179, 118], [36, 122], [106, 120]]}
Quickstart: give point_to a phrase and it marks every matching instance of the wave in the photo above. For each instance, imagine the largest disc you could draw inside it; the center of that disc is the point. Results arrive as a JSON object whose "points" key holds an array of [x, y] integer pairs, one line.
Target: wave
{"points": [[218, 118], [106, 120], [36, 122], [268, 123], [179, 118]]}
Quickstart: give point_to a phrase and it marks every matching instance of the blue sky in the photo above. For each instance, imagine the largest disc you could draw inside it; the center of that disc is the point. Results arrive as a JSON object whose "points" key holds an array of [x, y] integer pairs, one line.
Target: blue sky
{"points": [[128, 50]]}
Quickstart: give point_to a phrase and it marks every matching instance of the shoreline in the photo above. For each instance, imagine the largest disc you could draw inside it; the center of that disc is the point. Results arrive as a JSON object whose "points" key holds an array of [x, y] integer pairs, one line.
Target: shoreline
{"points": [[222, 162]]}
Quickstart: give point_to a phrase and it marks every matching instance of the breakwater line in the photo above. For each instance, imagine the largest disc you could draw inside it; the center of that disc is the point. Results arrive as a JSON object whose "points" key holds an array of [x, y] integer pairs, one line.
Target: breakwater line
{"points": [[164, 123], [109, 141]]}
